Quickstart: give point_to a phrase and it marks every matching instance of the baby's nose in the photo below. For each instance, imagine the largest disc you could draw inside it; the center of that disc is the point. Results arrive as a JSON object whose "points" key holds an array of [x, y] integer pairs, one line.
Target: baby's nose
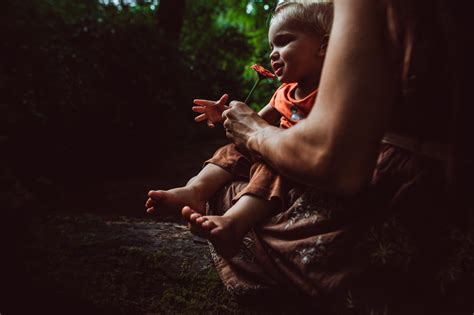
{"points": [[273, 55]]}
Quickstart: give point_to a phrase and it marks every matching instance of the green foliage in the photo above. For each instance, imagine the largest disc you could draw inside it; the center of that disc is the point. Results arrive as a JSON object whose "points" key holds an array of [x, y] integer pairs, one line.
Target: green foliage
{"points": [[224, 33], [254, 23], [90, 85]]}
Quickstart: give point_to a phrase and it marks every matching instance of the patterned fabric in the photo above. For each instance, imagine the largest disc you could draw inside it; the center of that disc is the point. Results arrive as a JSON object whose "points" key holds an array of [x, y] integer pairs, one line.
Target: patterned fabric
{"points": [[367, 253]]}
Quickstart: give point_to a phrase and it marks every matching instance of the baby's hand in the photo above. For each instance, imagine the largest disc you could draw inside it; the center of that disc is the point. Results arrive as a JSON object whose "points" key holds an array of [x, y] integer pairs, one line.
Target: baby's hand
{"points": [[210, 110]]}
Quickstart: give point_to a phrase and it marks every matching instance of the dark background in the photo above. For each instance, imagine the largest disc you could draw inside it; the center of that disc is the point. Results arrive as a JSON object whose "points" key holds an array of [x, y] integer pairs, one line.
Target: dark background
{"points": [[95, 110], [99, 92]]}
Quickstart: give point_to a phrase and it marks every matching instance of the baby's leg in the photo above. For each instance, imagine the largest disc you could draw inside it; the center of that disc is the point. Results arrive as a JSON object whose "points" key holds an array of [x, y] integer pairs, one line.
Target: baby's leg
{"points": [[225, 164], [195, 194], [263, 196], [227, 231]]}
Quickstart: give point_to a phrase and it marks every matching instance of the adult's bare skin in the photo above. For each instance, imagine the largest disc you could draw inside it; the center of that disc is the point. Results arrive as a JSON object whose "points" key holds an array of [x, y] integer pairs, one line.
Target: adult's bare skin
{"points": [[336, 147]]}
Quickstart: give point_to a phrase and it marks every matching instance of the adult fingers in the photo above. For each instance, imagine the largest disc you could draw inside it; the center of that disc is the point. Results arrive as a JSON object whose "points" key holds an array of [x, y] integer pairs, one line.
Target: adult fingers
{"points": [[229, 135], [200, 118], [226, 112], [236, 104], [210, 124], [226, 124]]}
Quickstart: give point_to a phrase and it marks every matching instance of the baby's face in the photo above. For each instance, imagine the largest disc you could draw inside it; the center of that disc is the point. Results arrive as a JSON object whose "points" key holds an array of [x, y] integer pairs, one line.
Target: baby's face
{"points": [[295, 56]]}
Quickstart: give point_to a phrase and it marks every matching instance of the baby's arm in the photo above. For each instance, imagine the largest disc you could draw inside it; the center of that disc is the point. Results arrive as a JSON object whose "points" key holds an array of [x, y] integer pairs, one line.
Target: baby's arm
{"points": [[270, 115]]}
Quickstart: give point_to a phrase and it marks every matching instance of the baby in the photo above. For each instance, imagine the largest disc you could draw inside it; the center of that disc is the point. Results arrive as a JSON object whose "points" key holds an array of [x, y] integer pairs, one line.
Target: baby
{"points": [[298, 36]]}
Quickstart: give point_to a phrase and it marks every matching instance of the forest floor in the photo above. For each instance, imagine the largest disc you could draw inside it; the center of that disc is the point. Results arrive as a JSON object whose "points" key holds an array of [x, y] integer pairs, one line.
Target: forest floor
{"points": [[95, 251]]}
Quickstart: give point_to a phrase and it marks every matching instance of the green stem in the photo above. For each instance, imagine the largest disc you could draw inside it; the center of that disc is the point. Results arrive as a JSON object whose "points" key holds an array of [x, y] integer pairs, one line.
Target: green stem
{"points": [[253, 89]]}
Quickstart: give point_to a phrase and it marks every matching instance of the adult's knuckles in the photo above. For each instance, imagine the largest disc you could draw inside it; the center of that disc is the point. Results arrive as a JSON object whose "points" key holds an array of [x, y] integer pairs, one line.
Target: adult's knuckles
{"points": [[240, 105], [237, 104]]}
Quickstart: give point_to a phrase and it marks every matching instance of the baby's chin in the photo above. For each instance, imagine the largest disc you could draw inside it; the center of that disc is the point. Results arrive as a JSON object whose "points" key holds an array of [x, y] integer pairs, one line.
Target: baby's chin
{"points": [[282, 79], [285, 78]]}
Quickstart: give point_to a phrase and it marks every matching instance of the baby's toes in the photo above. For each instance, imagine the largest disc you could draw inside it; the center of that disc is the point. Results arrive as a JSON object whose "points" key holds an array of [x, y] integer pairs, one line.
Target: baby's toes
{"points": [[193, 217], [201, 219], [186, 212], [149, 203], [150, 210], [208, 225]]}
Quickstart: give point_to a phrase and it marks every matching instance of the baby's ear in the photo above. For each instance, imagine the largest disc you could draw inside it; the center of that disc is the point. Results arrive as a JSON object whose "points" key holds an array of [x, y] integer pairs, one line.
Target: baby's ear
{"points": [[324, 45]]}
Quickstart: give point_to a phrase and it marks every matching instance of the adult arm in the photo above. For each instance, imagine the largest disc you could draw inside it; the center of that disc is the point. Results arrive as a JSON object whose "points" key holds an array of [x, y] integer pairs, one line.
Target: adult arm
{"points": [[336, 147]]}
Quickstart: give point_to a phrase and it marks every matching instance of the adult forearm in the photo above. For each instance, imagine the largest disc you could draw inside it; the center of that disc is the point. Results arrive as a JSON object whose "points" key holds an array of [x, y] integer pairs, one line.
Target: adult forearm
{"points": [[296, 155], [336, 146], [312, 155]]}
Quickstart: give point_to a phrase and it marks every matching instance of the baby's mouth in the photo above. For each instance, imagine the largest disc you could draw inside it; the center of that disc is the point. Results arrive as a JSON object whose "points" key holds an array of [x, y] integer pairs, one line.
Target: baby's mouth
{"points": [[278, 68]]}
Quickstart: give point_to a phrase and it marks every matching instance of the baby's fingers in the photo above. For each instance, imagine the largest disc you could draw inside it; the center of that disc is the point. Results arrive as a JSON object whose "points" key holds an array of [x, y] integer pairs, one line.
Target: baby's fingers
{"points": [[204, 102], [223, 99], [199, 109], [200, 118]]}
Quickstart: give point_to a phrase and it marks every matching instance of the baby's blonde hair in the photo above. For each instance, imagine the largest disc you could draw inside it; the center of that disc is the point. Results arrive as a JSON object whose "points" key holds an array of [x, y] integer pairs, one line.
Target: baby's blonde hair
{"points": [[312, 17]]}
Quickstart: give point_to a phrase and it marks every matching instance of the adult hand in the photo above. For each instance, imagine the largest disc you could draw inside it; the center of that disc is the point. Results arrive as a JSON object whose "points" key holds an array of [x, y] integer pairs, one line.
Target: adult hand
{"points": [[242, 123], [210, 110]]}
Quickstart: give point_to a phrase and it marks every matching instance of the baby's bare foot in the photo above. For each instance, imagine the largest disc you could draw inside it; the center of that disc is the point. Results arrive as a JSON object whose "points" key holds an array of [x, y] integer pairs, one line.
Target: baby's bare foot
{"points": [[176, 198], [191, 216], [221, 231]]}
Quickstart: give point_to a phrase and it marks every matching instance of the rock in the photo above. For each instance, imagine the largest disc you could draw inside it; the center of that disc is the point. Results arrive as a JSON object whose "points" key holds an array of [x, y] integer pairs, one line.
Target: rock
{"points": [[89, 263]]}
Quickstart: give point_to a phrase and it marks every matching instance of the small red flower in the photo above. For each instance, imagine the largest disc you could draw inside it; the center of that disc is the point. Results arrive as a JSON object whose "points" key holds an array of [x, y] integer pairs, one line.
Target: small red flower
{"points": [[262, 72]]}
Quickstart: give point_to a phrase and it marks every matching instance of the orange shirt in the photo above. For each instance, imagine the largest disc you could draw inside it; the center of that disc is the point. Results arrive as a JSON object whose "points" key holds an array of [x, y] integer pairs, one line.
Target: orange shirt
{"points": [[291, 109]]}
